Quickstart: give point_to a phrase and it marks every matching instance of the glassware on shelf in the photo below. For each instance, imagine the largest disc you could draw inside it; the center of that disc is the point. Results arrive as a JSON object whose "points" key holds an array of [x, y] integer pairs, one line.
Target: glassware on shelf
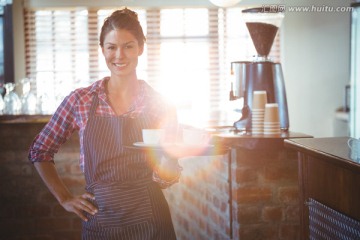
{"points": [[29, 104], [45, 104], [2, 105], [12, 100], [28, 99]]}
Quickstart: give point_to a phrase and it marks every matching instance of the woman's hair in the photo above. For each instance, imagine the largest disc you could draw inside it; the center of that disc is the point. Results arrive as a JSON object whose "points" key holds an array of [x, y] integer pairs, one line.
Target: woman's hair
{"points": [[123, 19]]}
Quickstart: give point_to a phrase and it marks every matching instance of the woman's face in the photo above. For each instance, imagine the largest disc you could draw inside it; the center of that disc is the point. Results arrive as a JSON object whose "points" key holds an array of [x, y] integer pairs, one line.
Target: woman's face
{"points": [[121, 51]]}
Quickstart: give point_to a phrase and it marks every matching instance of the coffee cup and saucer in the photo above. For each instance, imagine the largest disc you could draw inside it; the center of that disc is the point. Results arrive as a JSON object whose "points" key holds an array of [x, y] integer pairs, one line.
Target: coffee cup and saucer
{"points": [[153, 137]]}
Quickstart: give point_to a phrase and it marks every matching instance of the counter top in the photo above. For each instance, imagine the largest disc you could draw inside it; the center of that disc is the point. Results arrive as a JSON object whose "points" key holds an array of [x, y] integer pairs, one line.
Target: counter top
{"points": [[14, 119], [283, 135], [248, 141], [335, 148]]}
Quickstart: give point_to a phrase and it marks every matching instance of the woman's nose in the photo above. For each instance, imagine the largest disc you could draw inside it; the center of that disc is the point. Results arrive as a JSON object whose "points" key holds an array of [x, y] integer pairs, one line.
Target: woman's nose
{"points": [[119, 52]]}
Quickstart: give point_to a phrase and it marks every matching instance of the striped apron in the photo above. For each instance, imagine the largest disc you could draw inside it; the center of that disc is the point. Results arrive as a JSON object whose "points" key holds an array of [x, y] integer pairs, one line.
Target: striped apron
{"points": [[130, 205]]}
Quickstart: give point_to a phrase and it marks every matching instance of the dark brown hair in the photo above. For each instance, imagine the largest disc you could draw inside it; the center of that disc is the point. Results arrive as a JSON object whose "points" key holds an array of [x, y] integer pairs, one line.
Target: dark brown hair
{"points": [[123, 19]]}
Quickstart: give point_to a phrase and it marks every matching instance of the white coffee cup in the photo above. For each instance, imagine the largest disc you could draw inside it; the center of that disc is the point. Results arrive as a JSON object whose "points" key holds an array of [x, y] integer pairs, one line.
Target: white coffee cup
{"points": [[153, 136], [354, 145]]}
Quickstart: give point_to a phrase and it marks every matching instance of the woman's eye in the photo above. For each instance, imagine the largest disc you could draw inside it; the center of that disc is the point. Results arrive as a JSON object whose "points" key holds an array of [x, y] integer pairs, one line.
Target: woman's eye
{"points": [[129, 46]]}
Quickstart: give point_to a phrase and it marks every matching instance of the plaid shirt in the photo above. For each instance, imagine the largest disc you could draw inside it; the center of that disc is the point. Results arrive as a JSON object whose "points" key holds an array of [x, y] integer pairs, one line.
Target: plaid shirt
{"points": [[72, 115]]}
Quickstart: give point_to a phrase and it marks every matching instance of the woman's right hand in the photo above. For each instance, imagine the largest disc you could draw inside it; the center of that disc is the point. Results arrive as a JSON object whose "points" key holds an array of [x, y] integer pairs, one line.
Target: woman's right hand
{"points": [[79, 205], [76, 204]]}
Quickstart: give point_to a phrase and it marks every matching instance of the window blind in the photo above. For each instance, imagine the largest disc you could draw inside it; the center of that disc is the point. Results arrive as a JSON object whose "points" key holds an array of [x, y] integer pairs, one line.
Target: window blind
{"points": [[187, 55]]}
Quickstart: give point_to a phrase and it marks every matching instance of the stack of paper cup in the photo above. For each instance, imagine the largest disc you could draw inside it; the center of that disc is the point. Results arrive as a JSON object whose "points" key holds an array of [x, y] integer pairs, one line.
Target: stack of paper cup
{"points": [[271, 119], [258, 111]]}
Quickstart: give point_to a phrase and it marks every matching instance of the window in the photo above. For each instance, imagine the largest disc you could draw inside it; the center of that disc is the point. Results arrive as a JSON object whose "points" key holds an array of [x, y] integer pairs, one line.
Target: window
{"points": [[187, 55], [6, 44]]}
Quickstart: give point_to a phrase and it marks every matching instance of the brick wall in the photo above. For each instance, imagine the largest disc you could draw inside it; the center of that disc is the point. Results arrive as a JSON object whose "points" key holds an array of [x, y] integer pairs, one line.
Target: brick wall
{"points": [[199, 203], [27, 209], [265, 194]]}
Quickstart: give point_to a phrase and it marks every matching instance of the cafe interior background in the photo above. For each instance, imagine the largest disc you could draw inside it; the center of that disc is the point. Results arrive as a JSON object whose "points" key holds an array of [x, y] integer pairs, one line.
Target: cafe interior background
{"points": [[252, 192], [191, 66]]}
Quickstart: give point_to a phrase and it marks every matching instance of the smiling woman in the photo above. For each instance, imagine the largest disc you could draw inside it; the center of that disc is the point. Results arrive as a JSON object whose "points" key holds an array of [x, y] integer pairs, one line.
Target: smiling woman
{"points": [[186, 57]]}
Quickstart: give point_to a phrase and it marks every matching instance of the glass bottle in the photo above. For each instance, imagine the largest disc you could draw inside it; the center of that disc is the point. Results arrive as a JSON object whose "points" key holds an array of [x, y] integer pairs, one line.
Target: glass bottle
{"points": [[2, 105], [12, 100], [28, 99]]}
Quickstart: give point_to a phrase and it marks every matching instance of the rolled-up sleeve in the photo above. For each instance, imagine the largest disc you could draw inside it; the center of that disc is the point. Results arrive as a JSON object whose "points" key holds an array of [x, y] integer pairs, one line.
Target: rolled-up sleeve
{"points": [[55, 133]]}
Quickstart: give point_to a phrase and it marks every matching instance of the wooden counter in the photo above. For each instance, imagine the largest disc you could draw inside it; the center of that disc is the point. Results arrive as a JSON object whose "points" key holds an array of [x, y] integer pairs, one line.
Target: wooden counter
{"points": [[327, 175]]}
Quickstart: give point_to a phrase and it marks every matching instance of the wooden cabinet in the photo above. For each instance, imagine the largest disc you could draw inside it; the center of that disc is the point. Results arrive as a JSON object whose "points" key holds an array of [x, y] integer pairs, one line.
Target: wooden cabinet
{"points": [[329, 183]]}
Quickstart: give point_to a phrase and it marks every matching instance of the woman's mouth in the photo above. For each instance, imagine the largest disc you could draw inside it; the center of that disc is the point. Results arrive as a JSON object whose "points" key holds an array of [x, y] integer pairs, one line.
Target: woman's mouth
{"points": [[120, 65]]}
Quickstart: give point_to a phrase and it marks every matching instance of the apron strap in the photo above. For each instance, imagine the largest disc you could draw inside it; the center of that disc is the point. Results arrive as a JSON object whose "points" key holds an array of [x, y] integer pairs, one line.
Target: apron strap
{"points": [[94, 104]]}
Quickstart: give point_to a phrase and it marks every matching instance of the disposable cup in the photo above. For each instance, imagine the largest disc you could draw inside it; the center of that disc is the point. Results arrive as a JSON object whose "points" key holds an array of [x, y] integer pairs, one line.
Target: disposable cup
{"points": [[271, 112], [260, 121], [257, 110], [254, 122], [271, 123], [258, 114], [259, 99], [257, 128], [272, 126], [272, 130]]}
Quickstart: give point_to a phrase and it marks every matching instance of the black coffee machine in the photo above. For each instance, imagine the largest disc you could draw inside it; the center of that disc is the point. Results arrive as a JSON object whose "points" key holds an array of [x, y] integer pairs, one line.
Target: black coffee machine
{"points": [[260, 74]]}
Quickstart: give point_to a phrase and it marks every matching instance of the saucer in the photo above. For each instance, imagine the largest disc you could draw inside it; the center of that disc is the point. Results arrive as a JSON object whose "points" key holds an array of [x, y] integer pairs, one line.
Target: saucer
{"points": [[180, 150], [153, 145]]}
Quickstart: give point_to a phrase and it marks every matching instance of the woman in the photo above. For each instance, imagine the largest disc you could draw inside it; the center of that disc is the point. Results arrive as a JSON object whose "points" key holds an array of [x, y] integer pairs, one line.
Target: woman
{"points": [[123, 198]]}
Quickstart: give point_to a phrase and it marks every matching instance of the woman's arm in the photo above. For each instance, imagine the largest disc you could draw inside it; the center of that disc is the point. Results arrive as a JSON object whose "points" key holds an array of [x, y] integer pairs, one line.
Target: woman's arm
{"points": [[75, 204]]}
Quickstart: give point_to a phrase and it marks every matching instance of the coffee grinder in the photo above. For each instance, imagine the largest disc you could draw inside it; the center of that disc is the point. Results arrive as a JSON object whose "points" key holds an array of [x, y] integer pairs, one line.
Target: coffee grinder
{"points": [[261, 73]]}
